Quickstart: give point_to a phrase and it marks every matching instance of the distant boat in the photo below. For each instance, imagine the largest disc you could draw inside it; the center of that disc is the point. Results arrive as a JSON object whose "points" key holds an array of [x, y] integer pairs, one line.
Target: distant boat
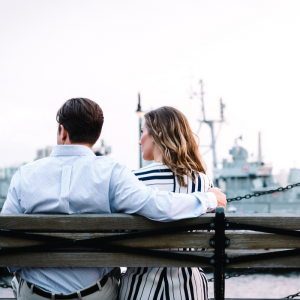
{"points": [[240, 177]]}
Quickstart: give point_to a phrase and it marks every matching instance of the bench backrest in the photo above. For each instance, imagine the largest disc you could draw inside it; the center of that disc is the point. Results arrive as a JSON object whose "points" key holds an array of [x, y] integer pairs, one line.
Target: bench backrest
{"points": [[92, 225]]}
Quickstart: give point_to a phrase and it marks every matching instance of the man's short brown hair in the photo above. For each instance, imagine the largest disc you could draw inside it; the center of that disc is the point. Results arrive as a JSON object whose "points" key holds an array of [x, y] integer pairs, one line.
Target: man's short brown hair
{"points": [[82, 118]]}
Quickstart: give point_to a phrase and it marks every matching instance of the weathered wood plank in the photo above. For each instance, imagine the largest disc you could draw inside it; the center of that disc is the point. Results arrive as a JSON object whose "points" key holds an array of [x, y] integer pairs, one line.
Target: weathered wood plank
{"points": [[179, 240], [88, 222], [80, 259], [239, 240], [256, 240], [94, 222]]}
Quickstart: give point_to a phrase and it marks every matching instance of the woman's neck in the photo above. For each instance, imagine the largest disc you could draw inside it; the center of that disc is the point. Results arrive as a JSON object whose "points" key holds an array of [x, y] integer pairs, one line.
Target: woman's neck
{"points": [[158, 157]]}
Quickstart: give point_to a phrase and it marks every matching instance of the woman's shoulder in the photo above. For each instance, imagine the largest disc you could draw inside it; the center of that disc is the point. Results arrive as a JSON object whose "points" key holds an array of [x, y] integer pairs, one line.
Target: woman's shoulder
{"points": [[157, 175], [151, 169], [205, 180]]}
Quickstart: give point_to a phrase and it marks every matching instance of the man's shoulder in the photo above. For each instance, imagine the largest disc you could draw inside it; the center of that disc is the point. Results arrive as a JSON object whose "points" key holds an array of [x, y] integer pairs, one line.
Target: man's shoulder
{"points": [[108, 161], [35, 163], [51, 164]]}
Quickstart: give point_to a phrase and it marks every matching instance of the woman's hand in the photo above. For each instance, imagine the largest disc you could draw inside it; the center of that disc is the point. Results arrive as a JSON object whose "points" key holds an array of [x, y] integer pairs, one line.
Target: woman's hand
{"points": [[221, 198]]}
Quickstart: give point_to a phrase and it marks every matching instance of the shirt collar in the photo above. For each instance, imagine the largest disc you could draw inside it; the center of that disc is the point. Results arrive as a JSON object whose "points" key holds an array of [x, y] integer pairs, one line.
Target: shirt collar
{"points": [[72, 150]]}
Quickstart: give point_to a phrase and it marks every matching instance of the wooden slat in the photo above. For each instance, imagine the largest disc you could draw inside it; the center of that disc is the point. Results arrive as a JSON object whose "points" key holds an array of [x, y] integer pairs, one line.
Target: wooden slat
{"points": [[180, 240], [79, 259], [94, 222], [239, 240], [251, 240], [284, 221], [88, 222]]}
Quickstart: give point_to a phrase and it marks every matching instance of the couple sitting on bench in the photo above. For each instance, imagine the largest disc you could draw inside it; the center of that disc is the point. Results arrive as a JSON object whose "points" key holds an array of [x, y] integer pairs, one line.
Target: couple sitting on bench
{"points": [[75, 181]]}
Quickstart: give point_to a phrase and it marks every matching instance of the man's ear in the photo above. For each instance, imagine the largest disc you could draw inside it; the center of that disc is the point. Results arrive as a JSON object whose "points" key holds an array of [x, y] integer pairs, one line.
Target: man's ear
{"points": [[64, 133]]}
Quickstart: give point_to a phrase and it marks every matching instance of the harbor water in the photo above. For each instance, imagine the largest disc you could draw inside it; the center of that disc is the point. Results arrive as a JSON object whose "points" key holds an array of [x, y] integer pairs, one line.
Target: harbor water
{"points": [[262, 285]]}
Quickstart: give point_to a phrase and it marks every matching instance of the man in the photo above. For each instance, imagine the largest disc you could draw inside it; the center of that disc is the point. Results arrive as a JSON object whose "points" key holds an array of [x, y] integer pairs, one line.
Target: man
{"points": [[73, 180]]}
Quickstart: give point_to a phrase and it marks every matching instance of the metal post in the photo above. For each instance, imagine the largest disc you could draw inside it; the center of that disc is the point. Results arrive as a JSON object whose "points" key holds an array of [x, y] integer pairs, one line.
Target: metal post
{"points": [[140, 115], [219, 242], [141, 155], [202, 99], [213, 147]]}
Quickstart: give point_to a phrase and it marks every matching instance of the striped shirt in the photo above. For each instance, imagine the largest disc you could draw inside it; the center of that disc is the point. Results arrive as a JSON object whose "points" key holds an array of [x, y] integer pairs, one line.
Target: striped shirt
{"points": [[166, 283]]}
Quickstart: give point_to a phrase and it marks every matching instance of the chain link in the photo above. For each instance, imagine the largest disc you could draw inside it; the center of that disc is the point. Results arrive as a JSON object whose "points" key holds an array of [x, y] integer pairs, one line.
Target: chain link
{"points": [[257, 194], [247, 272], [292, 296]]}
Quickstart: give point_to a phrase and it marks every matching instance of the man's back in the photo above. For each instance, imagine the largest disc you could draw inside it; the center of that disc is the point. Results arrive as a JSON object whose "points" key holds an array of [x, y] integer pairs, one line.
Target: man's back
{"points": [[72, 181], [77, 182]]}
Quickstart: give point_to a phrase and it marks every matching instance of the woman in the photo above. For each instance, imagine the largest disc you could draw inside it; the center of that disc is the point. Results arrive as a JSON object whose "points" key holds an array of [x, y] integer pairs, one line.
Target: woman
{"points": [[178, 167]]}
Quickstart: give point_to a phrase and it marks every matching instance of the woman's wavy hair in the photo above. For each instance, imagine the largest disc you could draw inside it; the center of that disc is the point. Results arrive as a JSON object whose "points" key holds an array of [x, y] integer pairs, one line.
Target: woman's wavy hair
{"points": [[172, 133]]}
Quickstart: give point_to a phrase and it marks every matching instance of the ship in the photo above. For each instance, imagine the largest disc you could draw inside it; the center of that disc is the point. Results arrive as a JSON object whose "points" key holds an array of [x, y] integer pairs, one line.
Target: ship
{"points": [[239, 177]]}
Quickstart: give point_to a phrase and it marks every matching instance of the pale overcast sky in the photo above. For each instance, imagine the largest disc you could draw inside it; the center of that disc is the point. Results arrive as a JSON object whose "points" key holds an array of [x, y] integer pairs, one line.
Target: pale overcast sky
{"points": [[247, 52]]}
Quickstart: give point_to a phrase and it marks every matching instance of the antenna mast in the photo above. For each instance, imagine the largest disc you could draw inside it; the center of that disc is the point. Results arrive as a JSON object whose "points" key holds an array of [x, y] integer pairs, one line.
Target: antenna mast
{"points": [[202, 99], [210, 123], [259, 150]]}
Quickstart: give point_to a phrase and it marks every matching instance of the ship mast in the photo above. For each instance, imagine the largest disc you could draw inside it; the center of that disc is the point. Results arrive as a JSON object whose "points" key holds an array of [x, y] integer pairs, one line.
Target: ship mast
{"points": [[259, 150], [210, 123]]}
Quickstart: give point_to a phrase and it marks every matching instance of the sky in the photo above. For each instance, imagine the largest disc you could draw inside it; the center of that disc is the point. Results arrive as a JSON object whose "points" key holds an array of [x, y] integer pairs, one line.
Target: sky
{"points": [[247, 52]]}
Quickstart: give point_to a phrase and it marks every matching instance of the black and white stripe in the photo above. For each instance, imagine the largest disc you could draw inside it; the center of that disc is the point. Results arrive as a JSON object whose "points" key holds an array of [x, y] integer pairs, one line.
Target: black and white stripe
{"points": [[166, 283]]}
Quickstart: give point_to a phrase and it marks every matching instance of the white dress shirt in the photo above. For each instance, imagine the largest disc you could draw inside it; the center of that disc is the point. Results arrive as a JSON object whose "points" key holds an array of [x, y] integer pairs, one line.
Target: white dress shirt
{"points": [[75, 181]]}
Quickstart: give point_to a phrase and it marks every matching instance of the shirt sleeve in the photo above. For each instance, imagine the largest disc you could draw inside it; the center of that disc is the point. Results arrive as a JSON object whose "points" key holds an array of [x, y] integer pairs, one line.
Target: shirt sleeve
{"points": [[213, 200], [12, 204], [128, 195]]}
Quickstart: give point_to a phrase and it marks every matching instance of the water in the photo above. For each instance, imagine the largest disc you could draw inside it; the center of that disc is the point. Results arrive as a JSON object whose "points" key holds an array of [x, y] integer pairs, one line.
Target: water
{"points": [[266, 286], [6, 293], [274, 286]]}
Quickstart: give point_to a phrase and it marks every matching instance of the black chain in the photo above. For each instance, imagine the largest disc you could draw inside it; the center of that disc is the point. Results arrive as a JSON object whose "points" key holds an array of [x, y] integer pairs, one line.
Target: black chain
{"points": [[257, 194], [292, 296], [247, 272]]}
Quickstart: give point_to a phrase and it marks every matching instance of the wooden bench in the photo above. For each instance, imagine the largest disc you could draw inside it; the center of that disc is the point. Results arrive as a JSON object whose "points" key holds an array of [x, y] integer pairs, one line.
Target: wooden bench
{"points": [[116, 253]]}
